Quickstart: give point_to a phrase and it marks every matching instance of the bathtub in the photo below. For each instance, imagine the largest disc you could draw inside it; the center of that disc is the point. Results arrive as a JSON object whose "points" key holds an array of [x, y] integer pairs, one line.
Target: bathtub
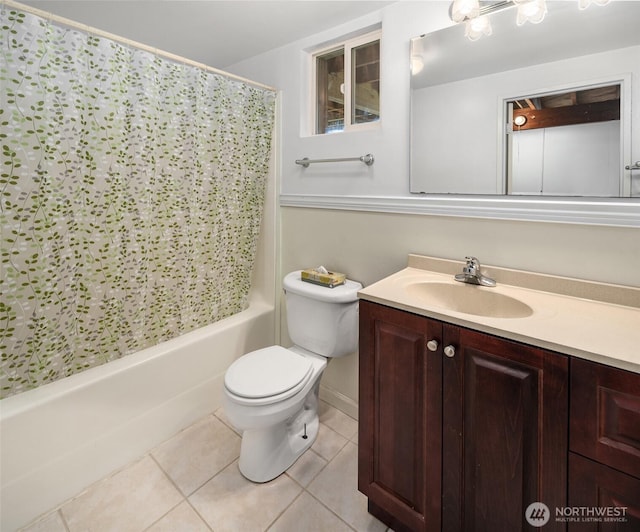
{"points": [[58, 439]]}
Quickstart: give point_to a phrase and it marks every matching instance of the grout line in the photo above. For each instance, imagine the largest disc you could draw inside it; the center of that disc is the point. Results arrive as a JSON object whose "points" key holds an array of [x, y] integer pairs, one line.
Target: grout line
{"points": [[226, 422], [326, 463], [63, 519], [185, 497], [286, 508], [153, 458], [330, 510], [206, 523]]}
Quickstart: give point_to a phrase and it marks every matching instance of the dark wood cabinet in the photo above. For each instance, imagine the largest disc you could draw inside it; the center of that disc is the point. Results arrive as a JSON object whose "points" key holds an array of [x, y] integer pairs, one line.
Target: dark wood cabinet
{"points": [[611, 499], [459, 430], [504, 432], [605, 415], [400, 440], [604, 462]]}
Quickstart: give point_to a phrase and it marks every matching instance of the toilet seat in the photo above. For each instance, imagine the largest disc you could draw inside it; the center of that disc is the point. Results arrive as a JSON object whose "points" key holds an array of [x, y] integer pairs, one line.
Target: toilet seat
{"points": [[268, 375]]}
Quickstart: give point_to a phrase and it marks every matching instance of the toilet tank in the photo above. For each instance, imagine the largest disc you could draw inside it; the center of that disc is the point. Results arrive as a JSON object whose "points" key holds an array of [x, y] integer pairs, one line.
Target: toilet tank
{"points": [[320, 319]]}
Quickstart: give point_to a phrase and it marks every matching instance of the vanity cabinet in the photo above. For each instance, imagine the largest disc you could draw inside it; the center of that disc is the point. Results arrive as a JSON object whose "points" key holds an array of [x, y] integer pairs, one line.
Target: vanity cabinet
{"points": [[459, 430], [604, 462], [505, 407], [400, 418]]}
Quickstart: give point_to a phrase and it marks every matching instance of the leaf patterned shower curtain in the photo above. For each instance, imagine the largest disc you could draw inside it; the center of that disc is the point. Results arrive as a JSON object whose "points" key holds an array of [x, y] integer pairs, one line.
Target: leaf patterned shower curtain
{"points": [[131, 196]]}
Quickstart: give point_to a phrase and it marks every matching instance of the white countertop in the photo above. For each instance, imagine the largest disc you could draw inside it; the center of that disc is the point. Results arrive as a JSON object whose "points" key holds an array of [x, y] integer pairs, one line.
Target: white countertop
{"points": [[591, 329]]}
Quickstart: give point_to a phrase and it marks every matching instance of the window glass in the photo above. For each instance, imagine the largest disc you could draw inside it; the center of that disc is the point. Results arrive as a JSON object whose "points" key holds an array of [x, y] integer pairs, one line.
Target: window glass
{"points": [[365, 65], [347, 84], [330, 91]]}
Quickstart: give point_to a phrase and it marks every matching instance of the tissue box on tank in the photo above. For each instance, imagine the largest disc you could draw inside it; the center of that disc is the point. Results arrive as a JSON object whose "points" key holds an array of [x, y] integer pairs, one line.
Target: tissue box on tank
{"points": [[329, 279]]}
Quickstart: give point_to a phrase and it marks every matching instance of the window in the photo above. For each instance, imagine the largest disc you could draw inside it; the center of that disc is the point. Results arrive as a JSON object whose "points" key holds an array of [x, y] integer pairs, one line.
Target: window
{"points": [[347, 81]]}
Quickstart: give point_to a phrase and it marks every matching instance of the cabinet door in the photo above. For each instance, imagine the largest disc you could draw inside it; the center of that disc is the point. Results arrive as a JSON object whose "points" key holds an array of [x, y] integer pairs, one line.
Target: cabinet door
{"points": [[596, 488], [605, 415], [400, 417], [505, 436]]}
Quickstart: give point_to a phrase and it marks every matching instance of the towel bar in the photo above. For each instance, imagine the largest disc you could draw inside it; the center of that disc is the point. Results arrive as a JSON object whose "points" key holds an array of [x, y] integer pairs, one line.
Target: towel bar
{"points": [[366, 159]]}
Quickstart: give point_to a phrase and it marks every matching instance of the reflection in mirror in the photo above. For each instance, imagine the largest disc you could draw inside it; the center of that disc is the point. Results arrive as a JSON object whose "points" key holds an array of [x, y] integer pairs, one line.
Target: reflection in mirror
{"points": [[565, 144], [459, 110]]}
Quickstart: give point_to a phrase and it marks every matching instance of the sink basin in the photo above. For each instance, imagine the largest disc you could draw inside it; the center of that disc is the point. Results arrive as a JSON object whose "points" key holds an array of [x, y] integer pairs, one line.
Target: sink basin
{"points": [[469, 299]]}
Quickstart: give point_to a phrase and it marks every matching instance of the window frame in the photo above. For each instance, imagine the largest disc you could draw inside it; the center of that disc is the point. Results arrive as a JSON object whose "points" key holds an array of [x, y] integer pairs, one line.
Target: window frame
{"points": [[347, 46]]}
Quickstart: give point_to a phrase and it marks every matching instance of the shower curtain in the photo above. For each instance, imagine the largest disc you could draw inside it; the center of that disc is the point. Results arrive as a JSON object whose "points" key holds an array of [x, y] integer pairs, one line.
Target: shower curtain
{"points": [[131, 196]]}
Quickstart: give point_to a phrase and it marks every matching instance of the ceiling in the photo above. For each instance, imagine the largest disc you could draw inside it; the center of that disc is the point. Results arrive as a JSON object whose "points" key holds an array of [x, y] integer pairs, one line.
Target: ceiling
{"points": [[215, 32]]}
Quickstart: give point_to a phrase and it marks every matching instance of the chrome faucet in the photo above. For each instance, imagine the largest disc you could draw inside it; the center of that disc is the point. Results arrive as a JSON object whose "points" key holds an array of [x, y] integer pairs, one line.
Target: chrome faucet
{"points": [[471, 274]]}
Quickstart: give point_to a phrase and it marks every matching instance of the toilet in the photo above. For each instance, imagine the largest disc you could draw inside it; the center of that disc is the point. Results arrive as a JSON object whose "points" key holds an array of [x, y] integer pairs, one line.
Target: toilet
{"points": [[271, 394]]}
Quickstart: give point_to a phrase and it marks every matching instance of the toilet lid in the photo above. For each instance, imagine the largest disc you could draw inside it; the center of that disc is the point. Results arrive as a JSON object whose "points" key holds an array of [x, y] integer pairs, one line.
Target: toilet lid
{"points": [[267, 372]]}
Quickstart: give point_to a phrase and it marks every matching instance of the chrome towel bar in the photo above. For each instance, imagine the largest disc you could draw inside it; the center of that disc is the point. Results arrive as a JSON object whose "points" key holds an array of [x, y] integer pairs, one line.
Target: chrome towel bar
{"points": [[366, 159]]}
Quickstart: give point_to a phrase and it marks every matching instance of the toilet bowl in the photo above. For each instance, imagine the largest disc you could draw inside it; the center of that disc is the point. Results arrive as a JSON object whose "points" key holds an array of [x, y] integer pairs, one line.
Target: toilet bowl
{"points": [[271, 394], [279, 417]]}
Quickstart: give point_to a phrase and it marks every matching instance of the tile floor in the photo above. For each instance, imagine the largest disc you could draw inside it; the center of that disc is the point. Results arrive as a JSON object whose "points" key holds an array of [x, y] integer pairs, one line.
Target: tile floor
{"points": [[192, 483]]}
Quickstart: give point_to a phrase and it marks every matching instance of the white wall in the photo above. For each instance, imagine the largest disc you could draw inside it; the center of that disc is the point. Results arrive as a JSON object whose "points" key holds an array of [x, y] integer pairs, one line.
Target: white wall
{"points": [[288, 68], [370, 245]]}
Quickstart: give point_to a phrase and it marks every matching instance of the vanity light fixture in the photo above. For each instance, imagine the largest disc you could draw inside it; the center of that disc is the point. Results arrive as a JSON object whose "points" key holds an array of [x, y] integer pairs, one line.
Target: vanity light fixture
{"points": [[530, 11], [477, 27], [462, 10], [584, 4], [474, 13]]}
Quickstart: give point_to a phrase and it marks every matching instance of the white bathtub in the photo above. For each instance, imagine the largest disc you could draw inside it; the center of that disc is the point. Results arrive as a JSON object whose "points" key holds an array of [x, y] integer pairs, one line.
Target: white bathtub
{"points": [[60, 438]]}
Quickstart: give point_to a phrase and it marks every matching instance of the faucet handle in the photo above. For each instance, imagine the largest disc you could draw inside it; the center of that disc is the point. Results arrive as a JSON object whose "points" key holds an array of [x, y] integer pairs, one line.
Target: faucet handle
{"points": [[472, 267], [471, 274]]}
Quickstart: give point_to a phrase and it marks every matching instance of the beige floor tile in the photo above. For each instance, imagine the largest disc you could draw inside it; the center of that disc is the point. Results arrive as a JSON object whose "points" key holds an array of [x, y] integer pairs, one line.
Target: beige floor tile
{"points": [[306, 467], [307, 514], [183, 518], [328, 442], [231, 503], [222, 416], [339, 421], [197, 453], [130, 500], [336, 487], [49, 523]]}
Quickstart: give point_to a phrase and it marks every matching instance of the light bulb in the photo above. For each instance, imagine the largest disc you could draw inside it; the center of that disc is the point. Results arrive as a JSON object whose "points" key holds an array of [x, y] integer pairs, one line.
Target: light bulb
{"points": [[584, 4], [464, 9], [477, 27], [530, 11], [520, 120]]}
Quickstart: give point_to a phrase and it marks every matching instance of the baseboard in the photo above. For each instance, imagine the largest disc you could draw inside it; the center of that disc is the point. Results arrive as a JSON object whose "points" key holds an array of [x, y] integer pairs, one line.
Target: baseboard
{"points": [[340, 401]]}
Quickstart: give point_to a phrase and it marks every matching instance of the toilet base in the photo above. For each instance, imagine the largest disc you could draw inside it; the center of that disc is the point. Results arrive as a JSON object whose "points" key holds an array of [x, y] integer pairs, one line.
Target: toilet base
{"points": [[267, 453]]}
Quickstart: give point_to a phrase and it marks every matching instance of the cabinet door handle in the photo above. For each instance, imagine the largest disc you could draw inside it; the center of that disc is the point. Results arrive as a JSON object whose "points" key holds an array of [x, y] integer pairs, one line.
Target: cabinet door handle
{"points": [[432, 345], [450, 351]]}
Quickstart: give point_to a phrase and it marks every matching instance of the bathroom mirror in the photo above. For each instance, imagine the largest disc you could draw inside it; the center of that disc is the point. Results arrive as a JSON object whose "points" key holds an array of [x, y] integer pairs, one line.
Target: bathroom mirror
{"points": [[464, 95]]}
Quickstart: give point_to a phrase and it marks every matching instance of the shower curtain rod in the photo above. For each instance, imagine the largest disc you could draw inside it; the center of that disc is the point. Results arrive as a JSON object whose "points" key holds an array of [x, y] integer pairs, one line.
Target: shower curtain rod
{"points": [[128, 42]]}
